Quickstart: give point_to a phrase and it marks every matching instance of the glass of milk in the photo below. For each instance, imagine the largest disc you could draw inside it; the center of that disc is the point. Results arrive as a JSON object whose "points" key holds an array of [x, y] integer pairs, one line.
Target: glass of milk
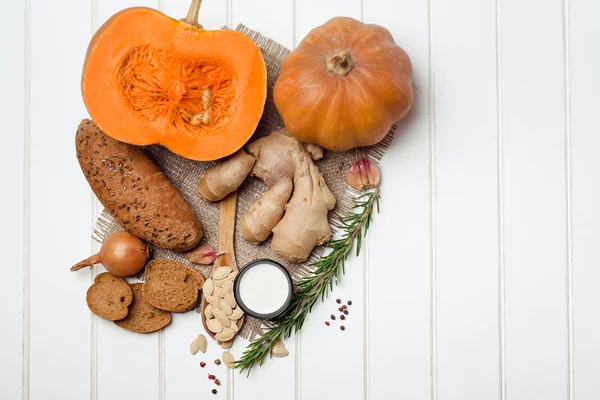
{"points": [[263, 289]]}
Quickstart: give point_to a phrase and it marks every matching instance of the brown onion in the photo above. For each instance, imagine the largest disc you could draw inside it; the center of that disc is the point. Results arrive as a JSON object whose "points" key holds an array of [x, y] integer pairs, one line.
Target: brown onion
{"points": [[122, 254]]}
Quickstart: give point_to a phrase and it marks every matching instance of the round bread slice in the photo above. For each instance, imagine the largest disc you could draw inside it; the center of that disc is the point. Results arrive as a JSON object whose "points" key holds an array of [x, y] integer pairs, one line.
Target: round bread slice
{"points": [[142, 316], [109, 297], [172, 286]]}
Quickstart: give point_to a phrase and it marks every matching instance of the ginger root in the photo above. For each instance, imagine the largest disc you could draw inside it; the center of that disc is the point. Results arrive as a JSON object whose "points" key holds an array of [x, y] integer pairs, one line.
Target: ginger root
{"points": [[286, 166]]}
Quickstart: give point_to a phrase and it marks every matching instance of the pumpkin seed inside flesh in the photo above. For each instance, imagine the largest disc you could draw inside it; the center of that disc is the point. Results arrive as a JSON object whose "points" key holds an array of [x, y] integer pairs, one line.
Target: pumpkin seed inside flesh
{"points": [[214, 326], [222, 317], [221, 273]]}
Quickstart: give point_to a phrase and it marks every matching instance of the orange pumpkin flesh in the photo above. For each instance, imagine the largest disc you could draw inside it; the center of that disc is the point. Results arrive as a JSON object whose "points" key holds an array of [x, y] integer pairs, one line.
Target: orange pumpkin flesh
{"points": [[344, 85], [145, 75]]}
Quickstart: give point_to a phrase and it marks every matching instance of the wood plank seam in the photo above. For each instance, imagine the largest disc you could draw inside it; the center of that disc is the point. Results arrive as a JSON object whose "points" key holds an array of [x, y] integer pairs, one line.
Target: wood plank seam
{"points": [[569, 216], [500, 194], [26, 206], [432, 215]]}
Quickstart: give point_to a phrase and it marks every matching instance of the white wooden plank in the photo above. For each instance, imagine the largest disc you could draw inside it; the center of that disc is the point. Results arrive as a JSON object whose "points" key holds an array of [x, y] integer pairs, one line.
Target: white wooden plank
{"points": [[466, 211], [183, 377], [332, 360], [12, 165], [115, 346], [533, 121], [277, 374], [585, 156], [399, 242], [60, 204]]}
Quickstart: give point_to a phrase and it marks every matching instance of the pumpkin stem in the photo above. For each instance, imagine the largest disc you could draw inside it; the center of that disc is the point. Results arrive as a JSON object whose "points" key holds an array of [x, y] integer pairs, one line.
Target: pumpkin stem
{"points": [[340, 63], [192, 15]]}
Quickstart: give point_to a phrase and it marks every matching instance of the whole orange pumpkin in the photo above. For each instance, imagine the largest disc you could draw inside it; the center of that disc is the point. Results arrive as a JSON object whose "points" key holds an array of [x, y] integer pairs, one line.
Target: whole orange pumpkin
{"points": [[344, 86]]}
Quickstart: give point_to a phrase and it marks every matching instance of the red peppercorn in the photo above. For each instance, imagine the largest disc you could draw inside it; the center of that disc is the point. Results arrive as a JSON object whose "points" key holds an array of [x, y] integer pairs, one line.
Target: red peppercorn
{"points": [[214, 391], [332, 316], [338, 301], [344, 306], [327, 323], [349, 302], [342, 317], [217, 382], [202, 364], [211, 377], [346, 312], [343, 327]]}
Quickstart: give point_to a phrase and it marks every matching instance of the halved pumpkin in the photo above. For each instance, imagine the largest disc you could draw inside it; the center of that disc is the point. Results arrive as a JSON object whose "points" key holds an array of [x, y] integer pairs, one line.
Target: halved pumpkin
{"points": [[149, 78]]}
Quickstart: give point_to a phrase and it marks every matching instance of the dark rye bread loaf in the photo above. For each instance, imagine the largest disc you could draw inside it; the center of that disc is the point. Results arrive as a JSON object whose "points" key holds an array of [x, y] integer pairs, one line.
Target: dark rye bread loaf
{"points": [[172, 286], [109, 297], [142, 316], [134, 190]]}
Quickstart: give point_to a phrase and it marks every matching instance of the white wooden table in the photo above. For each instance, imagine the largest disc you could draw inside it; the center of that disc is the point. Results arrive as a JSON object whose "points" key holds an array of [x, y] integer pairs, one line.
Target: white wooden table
{"points": [[480, 277]]}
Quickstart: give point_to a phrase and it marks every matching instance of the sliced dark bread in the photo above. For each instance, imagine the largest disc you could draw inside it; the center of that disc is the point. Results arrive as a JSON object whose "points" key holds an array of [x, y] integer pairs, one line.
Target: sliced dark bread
{"points": [[109, 297], [172, 286], [142, 316]]}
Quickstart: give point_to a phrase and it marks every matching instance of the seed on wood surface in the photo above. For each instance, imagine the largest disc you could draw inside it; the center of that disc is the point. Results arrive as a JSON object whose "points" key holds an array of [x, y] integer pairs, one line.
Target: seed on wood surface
{"points": [[210, 300], [216, 305], [217, 361], [225, 307], [234, 326], [227, 289], [227, 344], [225, 335], [217, 293], [221, 273], [230, 300], [194, 347], [236, 314], [338, 301], [207, 288], [222, 317], [208, 311], [228, 359], [214, 326], [202, 343]]}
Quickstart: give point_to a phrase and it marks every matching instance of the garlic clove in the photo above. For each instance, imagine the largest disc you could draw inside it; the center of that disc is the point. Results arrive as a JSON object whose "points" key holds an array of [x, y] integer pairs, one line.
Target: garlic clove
{"points": [[204, 255], [364, 174]]}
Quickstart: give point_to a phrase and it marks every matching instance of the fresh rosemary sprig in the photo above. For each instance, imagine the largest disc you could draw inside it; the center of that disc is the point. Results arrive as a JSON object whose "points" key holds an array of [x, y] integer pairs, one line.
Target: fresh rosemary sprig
{"points": [[319, 283]]}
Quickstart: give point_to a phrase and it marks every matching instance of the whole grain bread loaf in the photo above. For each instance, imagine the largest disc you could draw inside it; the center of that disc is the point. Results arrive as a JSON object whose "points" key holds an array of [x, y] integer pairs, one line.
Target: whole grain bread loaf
{"points": [[142, 316], [109, 297], [134, 190], [172, 286]]}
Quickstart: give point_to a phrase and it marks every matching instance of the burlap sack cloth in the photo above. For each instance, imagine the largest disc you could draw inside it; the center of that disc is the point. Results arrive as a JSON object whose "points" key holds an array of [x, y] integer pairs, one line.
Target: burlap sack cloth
{"points": [[185, 174]]}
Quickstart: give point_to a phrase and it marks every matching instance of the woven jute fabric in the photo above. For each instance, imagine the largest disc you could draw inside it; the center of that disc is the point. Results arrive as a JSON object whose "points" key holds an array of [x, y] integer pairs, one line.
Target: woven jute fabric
{"points": [[185, 175]]}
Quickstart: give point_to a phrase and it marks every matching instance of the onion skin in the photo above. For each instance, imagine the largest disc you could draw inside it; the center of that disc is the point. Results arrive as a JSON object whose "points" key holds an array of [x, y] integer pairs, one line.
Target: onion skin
{"points": [[122, 254]]}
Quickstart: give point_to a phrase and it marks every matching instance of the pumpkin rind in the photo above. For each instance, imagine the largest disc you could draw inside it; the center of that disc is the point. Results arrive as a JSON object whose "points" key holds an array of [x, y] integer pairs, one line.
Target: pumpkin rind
{"points": [[159, 111], [340, 112]]}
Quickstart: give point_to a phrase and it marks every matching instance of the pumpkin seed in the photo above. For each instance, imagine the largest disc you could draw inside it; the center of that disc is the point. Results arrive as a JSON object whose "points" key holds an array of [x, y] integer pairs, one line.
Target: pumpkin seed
{"points": [[221, 273], [214, 326], [228, 359], [279, 352], [208, 311], [221, 316], [234, 326], [216, 305], [217, 293], [207, 288], [211, 299], [202, 343], [225, 306], [227, 289], [227, 344], [194, 347], [236, 314], [230, 300], [225, 335], [197, 119]]}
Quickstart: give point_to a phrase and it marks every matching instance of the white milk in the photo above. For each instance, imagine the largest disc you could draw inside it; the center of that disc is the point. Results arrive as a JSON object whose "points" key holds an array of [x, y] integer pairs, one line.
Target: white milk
{"points": [[264, 288]]}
